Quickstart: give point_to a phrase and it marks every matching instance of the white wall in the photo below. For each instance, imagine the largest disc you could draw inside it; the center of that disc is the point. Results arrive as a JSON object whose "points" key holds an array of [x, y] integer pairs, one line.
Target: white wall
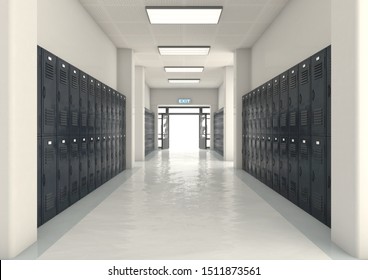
{"points": [[66, 29], [302, 28], [147, 99], [221, 96], [198, 96], [18, 125], [140, 88]]}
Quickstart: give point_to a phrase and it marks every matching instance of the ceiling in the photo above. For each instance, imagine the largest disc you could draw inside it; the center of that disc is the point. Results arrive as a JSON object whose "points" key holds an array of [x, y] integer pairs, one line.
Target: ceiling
{"points": [[126, 23]]}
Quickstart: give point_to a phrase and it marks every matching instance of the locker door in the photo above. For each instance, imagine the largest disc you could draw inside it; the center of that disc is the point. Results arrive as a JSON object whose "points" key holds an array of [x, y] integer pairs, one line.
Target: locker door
{"points": [[263, 115], [39, 181], [113, 111], [83, 167], [319, 178], [276, 106], [108, 158], [103, 110], [91, 183], [304, 172], [62, 111], [263, 166], [246, 153], [269, 162], [258, 158], [284, 103], [117, 154], [112, 157], [293, 170], [121, 114], [98, 161], [74, 169], [329, 91], [254, 156], [117, 113], [98, 105], [244, 131], [49, 162], [103, 159], [121, 155], [328, 196], [39, 92], [124, 134], [250, 154], [74, 101], [258, 110], [48, 93], [284, 172], [269, 106], [276, 164], [108, 110], [319, 94], [304, 97], [293, 101], [63, 173], [83, 103], [91, 107]]}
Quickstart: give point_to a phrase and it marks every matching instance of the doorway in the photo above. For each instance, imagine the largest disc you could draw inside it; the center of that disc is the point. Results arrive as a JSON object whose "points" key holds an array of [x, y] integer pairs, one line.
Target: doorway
{"points": [[184, 128]]}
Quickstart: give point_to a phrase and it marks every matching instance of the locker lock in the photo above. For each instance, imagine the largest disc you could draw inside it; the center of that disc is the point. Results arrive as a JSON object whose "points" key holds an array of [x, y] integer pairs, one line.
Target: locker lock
{"points": [[75, 72], [292, 72], [317, 143], [74, 140], [63, 65], [63, 141], [49, 58], [84, 76], [49, 143], [317, 58], [304, 65], [304, 141]]}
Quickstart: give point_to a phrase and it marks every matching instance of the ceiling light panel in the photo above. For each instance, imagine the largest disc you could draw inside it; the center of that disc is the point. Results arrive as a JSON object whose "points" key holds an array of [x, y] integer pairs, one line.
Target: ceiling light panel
{"points": [[183, 15], [200, 50], [184, 81], [184, 69]]}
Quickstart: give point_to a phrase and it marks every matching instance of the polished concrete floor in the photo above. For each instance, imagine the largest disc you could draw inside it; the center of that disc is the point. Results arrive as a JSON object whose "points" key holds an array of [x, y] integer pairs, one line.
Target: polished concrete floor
{"points": [[183, 206]]}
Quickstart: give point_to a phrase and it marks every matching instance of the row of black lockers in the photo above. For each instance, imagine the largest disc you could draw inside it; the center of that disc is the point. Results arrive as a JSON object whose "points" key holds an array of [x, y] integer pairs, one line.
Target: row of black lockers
{"points": [[219, 132], [70, 167], [298, 168], [149, 129], [70, 102], [297, 102]]}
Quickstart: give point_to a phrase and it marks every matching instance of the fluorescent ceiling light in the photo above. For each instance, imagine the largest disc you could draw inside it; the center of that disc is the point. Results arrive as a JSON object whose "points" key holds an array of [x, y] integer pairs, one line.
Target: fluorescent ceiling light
{"points": [[192, 50], [184, 69], [184, 81], [183, 15]]}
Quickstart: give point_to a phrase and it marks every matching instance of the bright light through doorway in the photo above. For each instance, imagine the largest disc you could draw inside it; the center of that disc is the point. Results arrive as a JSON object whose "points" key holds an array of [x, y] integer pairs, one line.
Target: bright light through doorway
{"points": [[184, 133]]}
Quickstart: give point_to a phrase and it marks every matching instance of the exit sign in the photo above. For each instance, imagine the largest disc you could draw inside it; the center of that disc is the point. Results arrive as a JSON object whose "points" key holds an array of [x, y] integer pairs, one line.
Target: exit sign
{"points": [[184, 100]]}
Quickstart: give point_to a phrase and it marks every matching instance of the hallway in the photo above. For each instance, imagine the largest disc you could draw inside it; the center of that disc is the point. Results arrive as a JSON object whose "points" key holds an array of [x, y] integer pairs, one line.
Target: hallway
{"points": [[183, 206]]}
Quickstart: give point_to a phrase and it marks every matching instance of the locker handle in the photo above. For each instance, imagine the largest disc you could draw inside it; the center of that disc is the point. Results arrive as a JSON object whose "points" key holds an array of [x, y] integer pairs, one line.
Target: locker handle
{"points": [[300, 171], [300, 98], [80, 166], [313, 94], [289, 101], [273, 162], [59, 174], [44, 92], [70, 170], [313, 176], [281, 164], [58, 96], [289, 167], [43, 179], [70, 99]]}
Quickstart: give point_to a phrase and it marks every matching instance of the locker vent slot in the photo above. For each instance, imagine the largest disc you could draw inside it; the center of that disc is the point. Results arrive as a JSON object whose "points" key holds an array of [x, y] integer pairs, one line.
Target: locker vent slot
{"points": [[292, 187], [276, 90], [49, 71], [63, 118], [49, 116], [74, 189], [283, 120], [292, 150], [84, 146], [283, 182], [74, 119], [63, 79], [83, 86], [317, 201], [292, 82], [84, 182], [49, 201], [63, 193], [75, 153], [304, 195], [91, 120], [275, 122], [98, 94], [304, 151], [284, 86], [305, 77], [49, 155], [304, 118], [84, 119], [63, 152], [74, 82], [92, 89], [317, 153], [292, 120], [283, 148], [91, 177], [318, 73], [318, 116]]}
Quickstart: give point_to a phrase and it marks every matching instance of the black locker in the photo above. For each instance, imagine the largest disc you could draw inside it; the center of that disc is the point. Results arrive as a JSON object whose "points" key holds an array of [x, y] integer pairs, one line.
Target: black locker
{"points": [[246, 154], [249, 154], [244, 131], [117, 154], [293, 101], [276, 163], [74, 100], [293, 169], [269, 161], [112, 157], [113, 109], [108, 110], [103, 110], [120, 114], [253, 170], [254, 112], [63, 173], [319, 178], [39, 92], [98, 120], [103, 159], [74, 169], [91, 164], [83, 167], [328, 196], [258, 110], [304, 172], [91, 106], [49, 169], [121, 153], [276, 106], [263, 166], [123, 141], [284, 103], [304, 98], [39, 181], [263, 114], [319, 94], [329, 91], [258, 158], [108, 157], [284, 168], [49, 101], [269, 105], [62, 111], [117, 113], [83, 103], [98, 156]]}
